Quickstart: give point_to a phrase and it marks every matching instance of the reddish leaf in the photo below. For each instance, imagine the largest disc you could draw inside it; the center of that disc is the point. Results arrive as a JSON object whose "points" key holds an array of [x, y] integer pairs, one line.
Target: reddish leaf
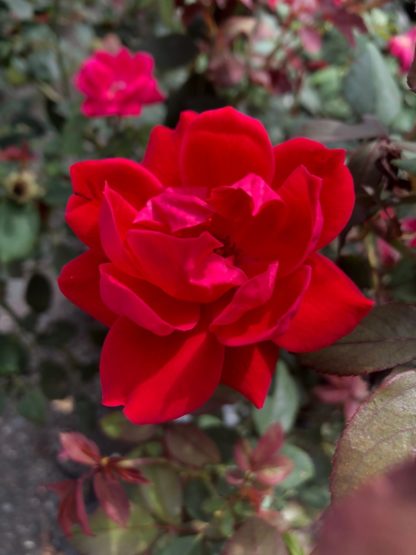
{"points": [[112, 498], [191, 446], [126, 470], [275, 474], [71, 506], [267, 448], [78, 448], [378, 519], [242, 454]]}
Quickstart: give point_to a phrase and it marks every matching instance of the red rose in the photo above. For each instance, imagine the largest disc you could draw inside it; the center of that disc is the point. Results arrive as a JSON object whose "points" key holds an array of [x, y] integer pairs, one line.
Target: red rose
{"points": [[117, 84], [203, 261]]}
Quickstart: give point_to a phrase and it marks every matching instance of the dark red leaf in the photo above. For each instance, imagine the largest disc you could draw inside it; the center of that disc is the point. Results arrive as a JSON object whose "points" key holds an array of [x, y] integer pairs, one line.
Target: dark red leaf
{"points": [[78, 448], [112, 498], [190, 445], [71, 506], [126, 470], [267, 448], [242, 454]]}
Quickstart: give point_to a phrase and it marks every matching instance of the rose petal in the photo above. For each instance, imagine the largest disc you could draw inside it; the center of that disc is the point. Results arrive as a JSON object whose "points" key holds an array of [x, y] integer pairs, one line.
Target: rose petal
{"points": [[158, 378], [79, 282], [249, 370], [174, 211], [223, 146], [331, 308], [145, 304], [116, 218], [337, 196], [301, 229], [162, 152], [269, 320], [185, 268], [133, 182]]}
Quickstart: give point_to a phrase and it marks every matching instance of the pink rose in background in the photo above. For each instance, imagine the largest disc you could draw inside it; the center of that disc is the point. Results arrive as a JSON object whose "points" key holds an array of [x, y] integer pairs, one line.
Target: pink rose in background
{"points": [[117, 84], [348, 391], [402, 47]]}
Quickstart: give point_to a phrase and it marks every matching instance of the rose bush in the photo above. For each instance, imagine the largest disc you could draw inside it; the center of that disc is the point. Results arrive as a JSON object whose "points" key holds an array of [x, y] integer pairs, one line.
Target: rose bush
{"points": [[202, 260], [117, 83]]}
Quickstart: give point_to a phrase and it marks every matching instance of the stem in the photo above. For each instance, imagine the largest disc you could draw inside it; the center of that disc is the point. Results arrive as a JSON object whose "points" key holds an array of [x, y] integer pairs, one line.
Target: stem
{"points": [[65, 81]]}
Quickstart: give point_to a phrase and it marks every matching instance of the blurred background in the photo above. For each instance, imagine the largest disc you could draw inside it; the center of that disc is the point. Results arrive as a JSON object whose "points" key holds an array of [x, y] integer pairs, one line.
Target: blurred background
{"points": [[331, 70]]}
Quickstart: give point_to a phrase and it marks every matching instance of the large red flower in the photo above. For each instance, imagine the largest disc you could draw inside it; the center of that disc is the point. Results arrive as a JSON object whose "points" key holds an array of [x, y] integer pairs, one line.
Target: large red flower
{"points": [[117, 84], [203, 261]]}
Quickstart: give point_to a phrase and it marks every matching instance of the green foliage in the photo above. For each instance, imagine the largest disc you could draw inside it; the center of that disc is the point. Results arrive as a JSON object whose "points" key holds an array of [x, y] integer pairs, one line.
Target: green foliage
{"points": [[369, 86], [282, 405], [163, 497], [19, 228], [12, 355], [33, 406], [110, 539]]}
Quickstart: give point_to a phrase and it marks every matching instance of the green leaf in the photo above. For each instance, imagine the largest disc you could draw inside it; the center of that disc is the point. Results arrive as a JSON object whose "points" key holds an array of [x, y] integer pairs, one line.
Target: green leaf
{"points": [[256, 537], [408, 165], [184, 545], [39, 293], [196, 494], [33, 406], [12, 355], [163, 496], [19, 228], [402, 280], [282, 406], [116, 426], [384, 339], [369, 86], [292, 544], [110, 539], [303, 469], [381, 433]]}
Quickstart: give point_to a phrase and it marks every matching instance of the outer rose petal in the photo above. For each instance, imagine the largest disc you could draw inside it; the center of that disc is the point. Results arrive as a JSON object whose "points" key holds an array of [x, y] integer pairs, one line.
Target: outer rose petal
{"points": [[223, 146], [331, 308], [337, 196], [89, 178], [158, 378], [116, 218], [162, 152], [79, 282], [249, 370], [145, 304]]}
